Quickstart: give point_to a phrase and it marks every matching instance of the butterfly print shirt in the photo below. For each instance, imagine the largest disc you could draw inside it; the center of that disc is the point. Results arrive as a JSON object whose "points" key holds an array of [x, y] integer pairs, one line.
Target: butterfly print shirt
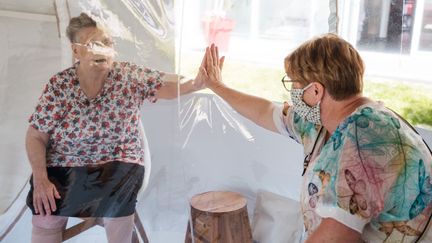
{"points": [[85, 131], [373, 174]]}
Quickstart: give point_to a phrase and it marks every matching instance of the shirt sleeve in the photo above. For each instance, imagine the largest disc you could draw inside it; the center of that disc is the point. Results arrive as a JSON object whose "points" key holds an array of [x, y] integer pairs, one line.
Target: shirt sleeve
{"points": [[293, 126], [370, 170], [49, 109], [147, 82]]}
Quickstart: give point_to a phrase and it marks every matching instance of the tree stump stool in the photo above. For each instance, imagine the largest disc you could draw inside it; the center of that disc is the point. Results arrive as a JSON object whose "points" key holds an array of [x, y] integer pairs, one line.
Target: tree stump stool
{"points": [[219, 217]]}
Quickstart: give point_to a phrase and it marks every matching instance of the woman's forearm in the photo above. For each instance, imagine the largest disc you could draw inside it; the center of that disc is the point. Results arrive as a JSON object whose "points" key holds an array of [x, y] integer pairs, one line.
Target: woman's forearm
{"points": [[188, 87], [36, 143], [171, 88], [254, 108]]}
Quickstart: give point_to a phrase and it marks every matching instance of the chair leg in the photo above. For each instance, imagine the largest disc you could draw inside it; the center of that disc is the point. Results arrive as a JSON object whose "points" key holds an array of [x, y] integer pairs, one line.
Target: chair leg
{"points": [[140, 229], [137, 233], [79, 228], [135, 238]]}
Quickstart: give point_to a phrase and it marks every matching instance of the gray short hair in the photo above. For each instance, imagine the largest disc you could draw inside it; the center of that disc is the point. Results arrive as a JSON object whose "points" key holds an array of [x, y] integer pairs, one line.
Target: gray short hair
{"points": [[78, 23]]}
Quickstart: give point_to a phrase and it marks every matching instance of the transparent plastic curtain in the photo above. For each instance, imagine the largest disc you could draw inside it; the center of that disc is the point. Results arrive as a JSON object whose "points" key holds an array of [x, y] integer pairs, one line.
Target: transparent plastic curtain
{"points": [[217, 148], [197, 142]]}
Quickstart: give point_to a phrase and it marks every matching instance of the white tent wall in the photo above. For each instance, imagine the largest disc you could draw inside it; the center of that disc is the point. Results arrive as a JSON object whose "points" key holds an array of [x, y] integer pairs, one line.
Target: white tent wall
{"points": [[30, 52]]}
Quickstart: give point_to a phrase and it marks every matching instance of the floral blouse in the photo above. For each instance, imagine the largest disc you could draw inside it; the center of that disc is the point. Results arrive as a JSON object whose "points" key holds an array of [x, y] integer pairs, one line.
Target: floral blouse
{"points": [[85, 131], [372, 175]]}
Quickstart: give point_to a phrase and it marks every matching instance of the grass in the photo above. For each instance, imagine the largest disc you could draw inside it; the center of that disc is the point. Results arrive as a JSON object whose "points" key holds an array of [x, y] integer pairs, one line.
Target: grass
{"points": [[411, 100]]}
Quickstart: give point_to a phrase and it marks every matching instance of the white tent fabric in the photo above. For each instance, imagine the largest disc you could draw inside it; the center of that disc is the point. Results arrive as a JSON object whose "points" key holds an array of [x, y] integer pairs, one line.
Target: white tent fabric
{"points": [[197, 142]]}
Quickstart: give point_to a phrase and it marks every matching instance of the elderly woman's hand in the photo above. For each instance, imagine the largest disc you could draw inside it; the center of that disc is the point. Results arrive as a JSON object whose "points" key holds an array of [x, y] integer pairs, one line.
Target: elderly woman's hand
{"points": [[198, 82], [44, 196], [211, 68]]}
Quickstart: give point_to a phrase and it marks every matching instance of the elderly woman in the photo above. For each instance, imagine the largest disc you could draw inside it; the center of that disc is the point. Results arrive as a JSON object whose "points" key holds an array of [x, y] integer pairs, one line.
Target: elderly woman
{"points": [[85, 143], [366, 173]]}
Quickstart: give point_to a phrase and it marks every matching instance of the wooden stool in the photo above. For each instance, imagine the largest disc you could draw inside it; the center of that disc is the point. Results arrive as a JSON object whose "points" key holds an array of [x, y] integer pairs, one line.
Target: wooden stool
{"points": [[219, 217]]}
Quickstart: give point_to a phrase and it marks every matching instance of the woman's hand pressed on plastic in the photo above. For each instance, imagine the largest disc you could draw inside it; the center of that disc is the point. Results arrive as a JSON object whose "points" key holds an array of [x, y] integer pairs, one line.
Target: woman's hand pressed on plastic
{"points": [[211, 67], [44, 196]]}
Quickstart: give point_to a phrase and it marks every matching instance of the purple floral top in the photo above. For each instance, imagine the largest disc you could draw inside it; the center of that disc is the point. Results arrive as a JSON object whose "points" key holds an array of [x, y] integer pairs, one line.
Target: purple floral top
{"points": [[85, 131]]}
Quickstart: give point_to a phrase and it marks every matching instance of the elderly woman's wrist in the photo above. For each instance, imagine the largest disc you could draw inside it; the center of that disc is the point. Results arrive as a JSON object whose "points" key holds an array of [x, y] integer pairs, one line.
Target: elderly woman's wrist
{"points": [[196, 86], [40, 174]]}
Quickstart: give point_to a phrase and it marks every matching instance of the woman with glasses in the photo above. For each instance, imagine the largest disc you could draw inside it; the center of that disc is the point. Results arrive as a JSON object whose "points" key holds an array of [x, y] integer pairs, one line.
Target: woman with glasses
{"points": [[367, 174], [85, 142]]}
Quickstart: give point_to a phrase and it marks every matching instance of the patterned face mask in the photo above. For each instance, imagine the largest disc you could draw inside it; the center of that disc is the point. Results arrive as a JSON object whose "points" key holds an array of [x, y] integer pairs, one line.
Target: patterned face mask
{"points": [[310, 114]]}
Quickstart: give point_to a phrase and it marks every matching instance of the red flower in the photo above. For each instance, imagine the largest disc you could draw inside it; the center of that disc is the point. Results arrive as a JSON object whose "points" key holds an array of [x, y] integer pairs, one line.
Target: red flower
{"points": [[122, 115], [83, 124], [120, 102], [112, 116], [50, 107], [56, 117], [65, 125], [133, 89], [105, 124], [49, 98]]}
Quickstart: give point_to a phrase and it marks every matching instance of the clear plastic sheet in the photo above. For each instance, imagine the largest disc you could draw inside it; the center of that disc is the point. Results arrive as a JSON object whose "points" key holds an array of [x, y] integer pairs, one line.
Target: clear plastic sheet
{"points": [[197, 142], [214, 149]]}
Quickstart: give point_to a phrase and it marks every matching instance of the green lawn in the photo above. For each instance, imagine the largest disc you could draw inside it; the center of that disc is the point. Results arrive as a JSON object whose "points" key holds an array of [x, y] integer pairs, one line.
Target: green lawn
{"points": [[411, 100]]}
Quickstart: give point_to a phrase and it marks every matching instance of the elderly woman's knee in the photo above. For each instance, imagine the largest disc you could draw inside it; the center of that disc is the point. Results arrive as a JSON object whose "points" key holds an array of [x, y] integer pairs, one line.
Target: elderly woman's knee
{"points": [[119, 221], [49, 222]]}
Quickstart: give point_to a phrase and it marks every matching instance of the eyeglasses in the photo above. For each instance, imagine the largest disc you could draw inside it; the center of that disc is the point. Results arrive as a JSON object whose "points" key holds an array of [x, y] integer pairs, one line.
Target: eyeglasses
{"points": [[95, 44], [287, 83]]}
